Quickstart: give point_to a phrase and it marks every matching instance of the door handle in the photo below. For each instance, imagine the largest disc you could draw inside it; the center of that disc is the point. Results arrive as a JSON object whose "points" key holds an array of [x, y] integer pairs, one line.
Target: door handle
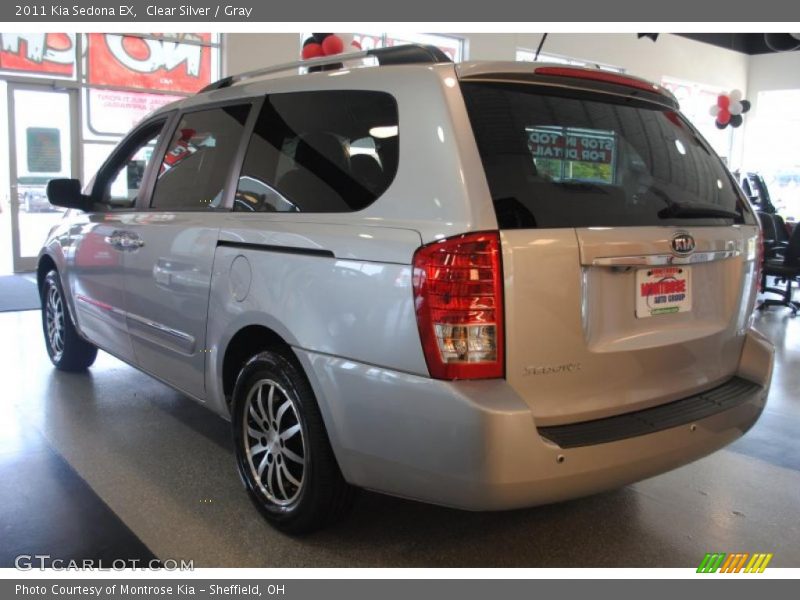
{"points": [[124, 240]]}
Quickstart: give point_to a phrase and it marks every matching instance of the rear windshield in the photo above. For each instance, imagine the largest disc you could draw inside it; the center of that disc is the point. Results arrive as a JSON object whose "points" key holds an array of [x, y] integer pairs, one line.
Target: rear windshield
{"points": [[575, 159]]}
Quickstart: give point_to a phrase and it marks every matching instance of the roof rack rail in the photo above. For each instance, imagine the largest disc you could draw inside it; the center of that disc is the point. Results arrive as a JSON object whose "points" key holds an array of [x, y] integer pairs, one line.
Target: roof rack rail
{"points": [[394, 55]]}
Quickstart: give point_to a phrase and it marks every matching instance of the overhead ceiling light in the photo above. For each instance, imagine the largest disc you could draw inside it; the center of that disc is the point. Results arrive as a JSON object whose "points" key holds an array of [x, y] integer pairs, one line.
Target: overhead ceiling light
{"points": [[385, 131]]}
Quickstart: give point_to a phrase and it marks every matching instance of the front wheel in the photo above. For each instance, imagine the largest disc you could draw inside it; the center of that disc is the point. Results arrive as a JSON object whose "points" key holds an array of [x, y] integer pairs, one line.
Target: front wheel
{"points": [[68, 351], [282, 448]]}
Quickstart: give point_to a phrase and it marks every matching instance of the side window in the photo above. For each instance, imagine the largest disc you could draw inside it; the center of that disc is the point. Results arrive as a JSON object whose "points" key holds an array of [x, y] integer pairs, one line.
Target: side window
{"points": [[197, 162], [325, 151], [122, 178]]}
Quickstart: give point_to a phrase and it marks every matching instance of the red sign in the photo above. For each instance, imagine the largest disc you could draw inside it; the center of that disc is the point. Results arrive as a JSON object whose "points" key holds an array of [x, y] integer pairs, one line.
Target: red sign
{"points": [[40, 53], [163, 64], [665, 286]]}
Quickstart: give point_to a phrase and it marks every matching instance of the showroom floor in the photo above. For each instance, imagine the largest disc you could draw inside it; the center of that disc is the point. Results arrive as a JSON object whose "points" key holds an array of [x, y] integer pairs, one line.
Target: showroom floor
{"points": [[112, 464]]}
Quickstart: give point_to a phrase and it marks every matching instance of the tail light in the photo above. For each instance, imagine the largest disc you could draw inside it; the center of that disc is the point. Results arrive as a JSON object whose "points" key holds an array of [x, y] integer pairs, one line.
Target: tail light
{"points": [[458, 294]]}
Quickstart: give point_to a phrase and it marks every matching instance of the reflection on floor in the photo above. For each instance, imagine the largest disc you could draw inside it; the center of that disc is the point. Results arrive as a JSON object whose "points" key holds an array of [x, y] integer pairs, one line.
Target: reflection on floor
{"points": [[48, 510], [114, 464]]}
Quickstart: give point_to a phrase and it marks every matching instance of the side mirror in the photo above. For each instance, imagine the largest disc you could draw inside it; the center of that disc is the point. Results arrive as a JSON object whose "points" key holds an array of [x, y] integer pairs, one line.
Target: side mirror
{"points": [[67, 193]]}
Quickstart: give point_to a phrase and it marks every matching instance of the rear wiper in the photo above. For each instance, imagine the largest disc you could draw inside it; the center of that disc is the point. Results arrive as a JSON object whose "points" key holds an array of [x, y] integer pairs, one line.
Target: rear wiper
{"points": [[678, 210]]}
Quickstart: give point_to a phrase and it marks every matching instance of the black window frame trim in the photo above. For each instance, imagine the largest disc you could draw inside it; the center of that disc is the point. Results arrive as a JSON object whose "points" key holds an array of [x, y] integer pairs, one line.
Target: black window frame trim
{"points": [[122, 151], [229, 189]]}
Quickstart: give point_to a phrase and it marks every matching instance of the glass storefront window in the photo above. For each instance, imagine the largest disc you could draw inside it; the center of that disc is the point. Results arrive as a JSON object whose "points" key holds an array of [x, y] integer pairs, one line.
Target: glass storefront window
{"points": [[524, 55], [452, 46], [772, 148], [127, 77], [111, 81], [43, 152], [94, 155], [115, 112], [695, 100]]}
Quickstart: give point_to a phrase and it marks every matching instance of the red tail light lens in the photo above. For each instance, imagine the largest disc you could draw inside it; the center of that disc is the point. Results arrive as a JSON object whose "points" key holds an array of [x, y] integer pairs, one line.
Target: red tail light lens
{"points": [[458, 293], [599, 75]]}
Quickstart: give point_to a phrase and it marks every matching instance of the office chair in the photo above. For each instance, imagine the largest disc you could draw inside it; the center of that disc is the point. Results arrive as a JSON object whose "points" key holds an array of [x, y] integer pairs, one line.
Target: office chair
{"points": [[774, 243], [786, 268]]}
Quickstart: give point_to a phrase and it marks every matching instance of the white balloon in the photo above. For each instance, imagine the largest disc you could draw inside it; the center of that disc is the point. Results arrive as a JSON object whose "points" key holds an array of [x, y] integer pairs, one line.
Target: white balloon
{"points": [[714, 110], [735, 108], [735, 95]]}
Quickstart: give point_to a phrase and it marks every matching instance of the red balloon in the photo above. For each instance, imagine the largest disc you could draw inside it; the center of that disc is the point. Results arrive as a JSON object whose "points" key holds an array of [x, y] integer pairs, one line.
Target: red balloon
{"points": [[312, 50], [724, 116], [723, 101], [332, 44]]}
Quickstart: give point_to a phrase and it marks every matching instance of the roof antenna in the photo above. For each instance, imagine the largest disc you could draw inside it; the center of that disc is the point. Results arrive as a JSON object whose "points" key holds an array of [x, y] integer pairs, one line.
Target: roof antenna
{"points": [[539, 49]]}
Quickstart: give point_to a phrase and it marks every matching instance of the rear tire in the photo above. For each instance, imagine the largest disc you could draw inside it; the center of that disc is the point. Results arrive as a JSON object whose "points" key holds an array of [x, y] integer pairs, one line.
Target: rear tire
{"points": [[68, 351], [283, 453]]}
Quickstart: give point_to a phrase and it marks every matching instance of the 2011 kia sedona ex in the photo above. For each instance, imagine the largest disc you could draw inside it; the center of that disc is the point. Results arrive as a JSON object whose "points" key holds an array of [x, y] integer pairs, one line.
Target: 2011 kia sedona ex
{"points": [[484, 285]]}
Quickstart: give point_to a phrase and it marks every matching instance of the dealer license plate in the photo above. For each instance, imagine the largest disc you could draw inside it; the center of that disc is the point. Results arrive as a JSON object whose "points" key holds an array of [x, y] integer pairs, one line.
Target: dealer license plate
{"points": [[663, 290]]}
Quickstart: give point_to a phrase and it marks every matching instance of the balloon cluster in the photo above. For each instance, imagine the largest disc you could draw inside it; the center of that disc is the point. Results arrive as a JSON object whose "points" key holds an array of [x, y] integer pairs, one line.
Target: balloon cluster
{"points": [[323, 44], [729, 109]]}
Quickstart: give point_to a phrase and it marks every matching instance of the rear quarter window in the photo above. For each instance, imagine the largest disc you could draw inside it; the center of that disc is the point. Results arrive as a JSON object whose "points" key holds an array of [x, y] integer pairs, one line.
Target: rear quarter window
{"points": [[572, 159], [321, 152]]}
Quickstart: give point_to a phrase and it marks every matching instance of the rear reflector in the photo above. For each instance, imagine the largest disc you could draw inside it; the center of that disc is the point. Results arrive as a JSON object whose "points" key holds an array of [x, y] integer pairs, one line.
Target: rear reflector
{"points": [[459, 304], [598, 75]]}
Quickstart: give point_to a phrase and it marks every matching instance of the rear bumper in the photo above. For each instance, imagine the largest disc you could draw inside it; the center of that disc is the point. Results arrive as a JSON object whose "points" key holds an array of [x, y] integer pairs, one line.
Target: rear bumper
{"points": [[474, 444]]}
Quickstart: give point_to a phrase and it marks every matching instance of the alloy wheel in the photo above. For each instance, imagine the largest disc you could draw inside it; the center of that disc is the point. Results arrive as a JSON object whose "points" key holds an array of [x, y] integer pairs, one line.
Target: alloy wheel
{"points": [[54, 321], [274, 442]]}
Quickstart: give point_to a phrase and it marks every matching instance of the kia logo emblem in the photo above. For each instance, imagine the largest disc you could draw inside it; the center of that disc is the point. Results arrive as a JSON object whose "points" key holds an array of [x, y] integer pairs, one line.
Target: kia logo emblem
{"points": [[682, 244]]}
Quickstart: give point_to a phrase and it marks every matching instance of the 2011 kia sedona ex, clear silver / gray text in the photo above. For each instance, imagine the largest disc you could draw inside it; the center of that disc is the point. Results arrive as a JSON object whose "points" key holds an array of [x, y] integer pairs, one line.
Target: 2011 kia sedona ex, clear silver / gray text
{"points": [[484, 285]]}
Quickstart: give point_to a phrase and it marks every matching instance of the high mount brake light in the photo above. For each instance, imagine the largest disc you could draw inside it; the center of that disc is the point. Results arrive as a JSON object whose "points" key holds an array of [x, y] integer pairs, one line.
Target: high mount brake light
{"points": [[458, 294], [598, 75]]}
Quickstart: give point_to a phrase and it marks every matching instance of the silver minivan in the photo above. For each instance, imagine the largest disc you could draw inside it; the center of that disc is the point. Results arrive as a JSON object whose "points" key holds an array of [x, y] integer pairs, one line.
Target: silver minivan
{"points": [[484, 285]]}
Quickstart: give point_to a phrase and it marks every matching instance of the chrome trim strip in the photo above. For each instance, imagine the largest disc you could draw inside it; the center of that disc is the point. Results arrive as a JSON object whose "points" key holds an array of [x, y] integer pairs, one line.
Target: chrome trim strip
{"points": [[182, 341], [664, 259], [161, 328], [101, 305]]}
